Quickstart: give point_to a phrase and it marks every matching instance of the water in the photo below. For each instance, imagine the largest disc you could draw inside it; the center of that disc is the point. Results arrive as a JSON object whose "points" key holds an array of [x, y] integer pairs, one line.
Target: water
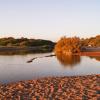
{"points": [[15, 68]]}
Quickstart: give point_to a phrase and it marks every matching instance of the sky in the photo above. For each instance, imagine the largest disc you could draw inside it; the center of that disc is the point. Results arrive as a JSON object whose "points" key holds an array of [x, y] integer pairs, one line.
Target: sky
{"points": [[49, 19]]}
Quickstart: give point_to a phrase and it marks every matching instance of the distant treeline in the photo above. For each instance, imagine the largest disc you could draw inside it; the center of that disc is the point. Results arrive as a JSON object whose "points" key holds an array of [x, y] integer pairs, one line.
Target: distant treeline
{"points": [[70, 45], [93, 41], [24, 42]]}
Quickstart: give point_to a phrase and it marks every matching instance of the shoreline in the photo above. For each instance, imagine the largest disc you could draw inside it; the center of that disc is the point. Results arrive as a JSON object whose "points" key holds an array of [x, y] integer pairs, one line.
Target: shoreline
{"points": [[25, 50], [93, 53], [90, 53], [67, 87]]}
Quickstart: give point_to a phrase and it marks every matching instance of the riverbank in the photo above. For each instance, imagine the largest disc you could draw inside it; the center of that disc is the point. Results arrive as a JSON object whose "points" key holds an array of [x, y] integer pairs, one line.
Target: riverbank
{"points": [[90, 54], [53, 88], [25, 50]]}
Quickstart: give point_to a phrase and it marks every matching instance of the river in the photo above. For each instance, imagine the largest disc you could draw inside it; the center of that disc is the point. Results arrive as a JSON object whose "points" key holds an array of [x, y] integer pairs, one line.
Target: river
{"points": [[15, 68]]}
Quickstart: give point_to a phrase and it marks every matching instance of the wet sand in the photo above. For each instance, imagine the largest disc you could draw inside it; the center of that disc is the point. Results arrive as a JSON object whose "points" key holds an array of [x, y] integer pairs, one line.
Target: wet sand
{"points": [[53, 88]]}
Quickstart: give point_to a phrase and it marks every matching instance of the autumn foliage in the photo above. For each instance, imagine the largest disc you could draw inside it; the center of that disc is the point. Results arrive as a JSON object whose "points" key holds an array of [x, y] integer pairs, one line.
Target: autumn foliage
{"points": [[93, 41], [68, 45]]}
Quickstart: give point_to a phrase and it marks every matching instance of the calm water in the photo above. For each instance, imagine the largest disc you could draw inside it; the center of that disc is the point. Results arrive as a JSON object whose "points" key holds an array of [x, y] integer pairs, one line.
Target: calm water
{"points": [[15, 68]]}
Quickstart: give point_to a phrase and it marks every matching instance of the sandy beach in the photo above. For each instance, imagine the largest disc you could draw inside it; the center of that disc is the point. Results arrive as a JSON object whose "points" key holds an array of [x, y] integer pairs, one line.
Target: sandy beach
{"points": [[53, 88]]}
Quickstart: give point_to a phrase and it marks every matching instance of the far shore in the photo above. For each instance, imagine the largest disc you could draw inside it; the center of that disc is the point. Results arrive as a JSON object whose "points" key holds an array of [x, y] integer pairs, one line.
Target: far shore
{"points": [[89, 51], [88, 54], [25, 50], [53, 88]]}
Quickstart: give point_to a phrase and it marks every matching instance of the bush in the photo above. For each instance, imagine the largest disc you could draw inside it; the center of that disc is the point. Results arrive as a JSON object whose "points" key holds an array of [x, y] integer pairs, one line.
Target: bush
{"points": [[68, 45]]}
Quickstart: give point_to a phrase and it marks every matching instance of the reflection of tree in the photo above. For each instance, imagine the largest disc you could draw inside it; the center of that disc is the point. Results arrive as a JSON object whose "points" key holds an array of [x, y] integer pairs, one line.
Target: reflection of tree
{"points": [[68, 59], [95, 57]]}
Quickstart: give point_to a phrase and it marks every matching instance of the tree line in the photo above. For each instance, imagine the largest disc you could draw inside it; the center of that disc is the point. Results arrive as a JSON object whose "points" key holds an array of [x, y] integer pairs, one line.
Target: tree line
{"points": [[74, 44], [93, 41], [24, 42]]}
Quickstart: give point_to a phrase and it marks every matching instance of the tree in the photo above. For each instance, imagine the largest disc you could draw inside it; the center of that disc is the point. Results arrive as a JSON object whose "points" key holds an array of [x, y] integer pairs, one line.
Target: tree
{"points": [[68, 45]]}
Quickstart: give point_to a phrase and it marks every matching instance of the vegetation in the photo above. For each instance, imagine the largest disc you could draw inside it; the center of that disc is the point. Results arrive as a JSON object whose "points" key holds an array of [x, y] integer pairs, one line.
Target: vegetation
{"points": [[73, 45], [65, 45], [93, 41], [68, 45], [22, 45], [24, 42]]}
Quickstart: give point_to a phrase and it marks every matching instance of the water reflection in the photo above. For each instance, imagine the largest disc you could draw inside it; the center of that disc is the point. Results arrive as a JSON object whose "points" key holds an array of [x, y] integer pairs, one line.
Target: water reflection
{"points": [[19, 52], [11, 65], [68, 60], [97, 58]]}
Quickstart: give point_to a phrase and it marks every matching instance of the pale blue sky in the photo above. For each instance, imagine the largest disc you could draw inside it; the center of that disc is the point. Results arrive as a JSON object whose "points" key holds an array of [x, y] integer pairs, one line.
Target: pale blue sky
{"points": [[49, 19]]}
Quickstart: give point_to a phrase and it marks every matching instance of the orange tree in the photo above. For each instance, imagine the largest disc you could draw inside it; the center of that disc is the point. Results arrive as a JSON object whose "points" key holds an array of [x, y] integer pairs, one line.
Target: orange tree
{"points": [[68, 45]]}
